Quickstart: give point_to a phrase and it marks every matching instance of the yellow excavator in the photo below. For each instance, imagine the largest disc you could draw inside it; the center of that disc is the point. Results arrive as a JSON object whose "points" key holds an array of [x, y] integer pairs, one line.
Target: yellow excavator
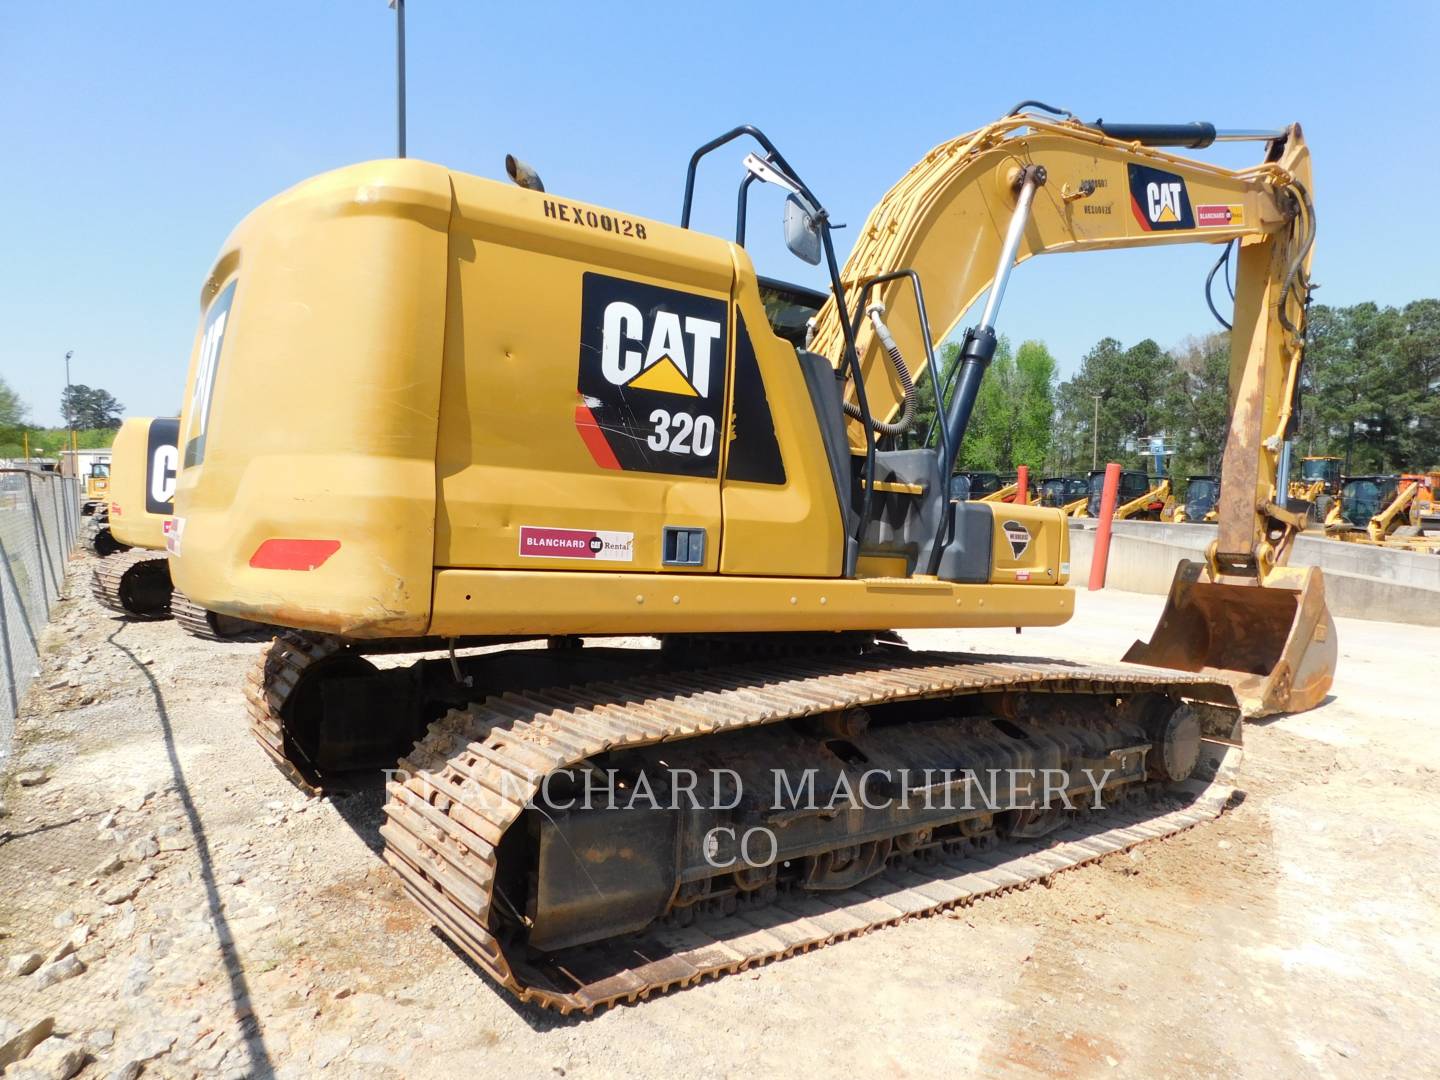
{"points": [[1387, 511], [1202, 501], [143, 466], [555, 422], [134, 580], [1139, 497]]}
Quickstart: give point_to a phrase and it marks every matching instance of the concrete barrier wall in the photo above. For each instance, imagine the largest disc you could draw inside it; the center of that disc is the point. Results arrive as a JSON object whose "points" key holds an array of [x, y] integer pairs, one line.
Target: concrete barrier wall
{"points": [[1361, 582]]}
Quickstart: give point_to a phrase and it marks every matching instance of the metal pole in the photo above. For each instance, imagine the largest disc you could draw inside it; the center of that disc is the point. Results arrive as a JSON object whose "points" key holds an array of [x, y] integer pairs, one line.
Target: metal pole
{"points": [[1282, 474], [1100, 557], [1095, 436], [10, 678], [70, 410], [978, 347], [400, 70], [1005, 264]]}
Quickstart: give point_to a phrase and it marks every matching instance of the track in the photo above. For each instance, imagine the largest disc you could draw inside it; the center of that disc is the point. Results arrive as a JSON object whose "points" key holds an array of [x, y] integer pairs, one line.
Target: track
{"points": [[134, 583], [269, 684], [211, 625], [467, 782]]}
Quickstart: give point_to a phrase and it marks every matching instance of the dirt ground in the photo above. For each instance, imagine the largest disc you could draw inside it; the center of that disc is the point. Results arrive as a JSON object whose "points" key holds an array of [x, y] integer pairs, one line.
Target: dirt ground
{"points": [[233, 927]]}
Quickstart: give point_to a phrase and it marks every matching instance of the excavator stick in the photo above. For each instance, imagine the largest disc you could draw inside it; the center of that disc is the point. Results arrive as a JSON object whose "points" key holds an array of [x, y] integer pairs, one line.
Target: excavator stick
{"points": [[1273, 643]]}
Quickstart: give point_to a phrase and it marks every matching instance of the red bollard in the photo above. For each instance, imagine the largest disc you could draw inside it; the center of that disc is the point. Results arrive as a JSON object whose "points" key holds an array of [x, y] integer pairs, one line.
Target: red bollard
{"points": [[1101, 557], [1022, 484]]}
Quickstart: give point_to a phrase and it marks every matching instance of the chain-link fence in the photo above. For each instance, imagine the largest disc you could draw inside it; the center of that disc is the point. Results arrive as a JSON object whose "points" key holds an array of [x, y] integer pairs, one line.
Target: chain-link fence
{"points": [[39, 522]]}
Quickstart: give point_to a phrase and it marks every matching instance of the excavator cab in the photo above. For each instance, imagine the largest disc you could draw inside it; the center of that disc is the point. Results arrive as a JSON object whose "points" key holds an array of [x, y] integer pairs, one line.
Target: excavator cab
{"points": [[1133, 484], [981, 484], [1322, 471], [1202, 494], [1364, 497], [1059, 491]]}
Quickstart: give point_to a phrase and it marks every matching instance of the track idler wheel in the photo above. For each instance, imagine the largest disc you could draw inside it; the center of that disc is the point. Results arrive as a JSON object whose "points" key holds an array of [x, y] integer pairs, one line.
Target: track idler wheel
{"points": [[106, 545], [1177, 750], [136, 585], [318, 710]]}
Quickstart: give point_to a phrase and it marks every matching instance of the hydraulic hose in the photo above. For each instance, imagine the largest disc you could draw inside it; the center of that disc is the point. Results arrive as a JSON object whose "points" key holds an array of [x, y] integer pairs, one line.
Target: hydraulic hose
{"points": [[902, 372]]}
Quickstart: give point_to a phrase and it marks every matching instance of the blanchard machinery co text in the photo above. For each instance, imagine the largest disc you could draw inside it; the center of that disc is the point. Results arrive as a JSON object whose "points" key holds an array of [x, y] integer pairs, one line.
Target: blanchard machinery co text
{"points": [[960, 790]]}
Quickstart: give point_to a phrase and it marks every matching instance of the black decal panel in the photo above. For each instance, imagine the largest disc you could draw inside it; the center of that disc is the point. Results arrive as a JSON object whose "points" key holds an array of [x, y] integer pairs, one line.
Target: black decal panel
{"points": [[652, 377], [1159, 199], [162, 463], [754, 449]]}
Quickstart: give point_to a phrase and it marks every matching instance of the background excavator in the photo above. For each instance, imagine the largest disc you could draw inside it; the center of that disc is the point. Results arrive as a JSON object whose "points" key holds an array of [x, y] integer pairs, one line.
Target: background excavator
{"points": [[552, 421], [136, 581], [1318, 484], [1202, 500], [1068, 493], [1140, 496], [1388, 511]]}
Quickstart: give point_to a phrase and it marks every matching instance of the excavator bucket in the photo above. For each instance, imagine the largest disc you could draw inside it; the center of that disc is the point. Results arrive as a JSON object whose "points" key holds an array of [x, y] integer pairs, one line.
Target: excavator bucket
{"points": [[1273, 643]]}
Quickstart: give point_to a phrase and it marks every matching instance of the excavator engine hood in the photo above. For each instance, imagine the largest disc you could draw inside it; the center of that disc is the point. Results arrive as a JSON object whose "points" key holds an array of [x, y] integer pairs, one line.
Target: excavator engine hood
{"points": [[1273, 643]]}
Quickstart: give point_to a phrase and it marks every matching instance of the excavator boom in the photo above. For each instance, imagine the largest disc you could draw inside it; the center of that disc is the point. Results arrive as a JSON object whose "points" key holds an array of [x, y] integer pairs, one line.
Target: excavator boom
{"points": [[1068, 187]]}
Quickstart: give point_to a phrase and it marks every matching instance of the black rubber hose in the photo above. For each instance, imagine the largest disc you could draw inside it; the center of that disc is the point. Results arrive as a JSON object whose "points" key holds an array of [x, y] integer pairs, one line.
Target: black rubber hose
{"points": [[1032, 103], [907, 408], [1224, 261]]}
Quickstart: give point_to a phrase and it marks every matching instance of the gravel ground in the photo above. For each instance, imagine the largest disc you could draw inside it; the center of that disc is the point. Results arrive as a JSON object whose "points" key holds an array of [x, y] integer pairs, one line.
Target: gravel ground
{"points": [[194, 915]]}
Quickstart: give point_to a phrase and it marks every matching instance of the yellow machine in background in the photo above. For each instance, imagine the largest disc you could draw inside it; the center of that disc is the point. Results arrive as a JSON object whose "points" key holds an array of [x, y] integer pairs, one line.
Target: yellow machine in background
{"points": [[546, 419], [144, 465], [1067, 493], [1389, 511], [1318, 484], [92, 469], [1139, 496], [1202, 501], [137, 584]]}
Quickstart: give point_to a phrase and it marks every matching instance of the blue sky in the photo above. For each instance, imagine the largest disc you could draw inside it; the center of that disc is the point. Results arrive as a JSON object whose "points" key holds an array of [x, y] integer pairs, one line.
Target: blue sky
{"points": [[135, 135]]}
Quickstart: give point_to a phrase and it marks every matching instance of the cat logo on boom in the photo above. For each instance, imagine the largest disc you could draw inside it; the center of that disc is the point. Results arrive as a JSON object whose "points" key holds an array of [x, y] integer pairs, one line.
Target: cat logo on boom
{"points": [[651, 379], [1159, 199]]}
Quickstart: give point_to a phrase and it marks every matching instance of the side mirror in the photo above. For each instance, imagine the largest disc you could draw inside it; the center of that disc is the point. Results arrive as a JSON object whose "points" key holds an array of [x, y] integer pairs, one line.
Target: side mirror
{"points": [[802, 231]]}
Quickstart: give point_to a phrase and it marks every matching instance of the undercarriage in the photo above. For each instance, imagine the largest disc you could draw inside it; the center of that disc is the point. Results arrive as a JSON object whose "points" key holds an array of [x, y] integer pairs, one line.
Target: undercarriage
{"points": [[134, 583], [592, 825]]}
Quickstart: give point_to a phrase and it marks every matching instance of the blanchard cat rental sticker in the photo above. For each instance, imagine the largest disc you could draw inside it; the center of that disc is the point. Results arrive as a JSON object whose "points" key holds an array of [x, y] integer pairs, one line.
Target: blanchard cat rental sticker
{"points": [[542, 543]]}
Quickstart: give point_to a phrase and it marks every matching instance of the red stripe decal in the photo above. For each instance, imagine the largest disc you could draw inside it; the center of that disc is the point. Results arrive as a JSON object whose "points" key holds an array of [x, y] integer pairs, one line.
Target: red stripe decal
{"points": [[1139, 214], [293, 554], [594, 438]]}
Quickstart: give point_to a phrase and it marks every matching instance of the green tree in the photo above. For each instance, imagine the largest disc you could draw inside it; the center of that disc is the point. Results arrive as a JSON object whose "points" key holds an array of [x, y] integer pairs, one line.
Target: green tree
{"points": [[1035, 379], [1355, 398], [1418, 355], [12, 409], [1014, 410], [1200, 415], [989, 440], [89, 408], [1140, 393]]}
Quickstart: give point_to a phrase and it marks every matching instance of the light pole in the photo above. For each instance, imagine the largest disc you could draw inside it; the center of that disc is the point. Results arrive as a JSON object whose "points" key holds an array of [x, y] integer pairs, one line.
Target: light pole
{"points": [[399, 6], [1095, 436], [69, 403]]}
